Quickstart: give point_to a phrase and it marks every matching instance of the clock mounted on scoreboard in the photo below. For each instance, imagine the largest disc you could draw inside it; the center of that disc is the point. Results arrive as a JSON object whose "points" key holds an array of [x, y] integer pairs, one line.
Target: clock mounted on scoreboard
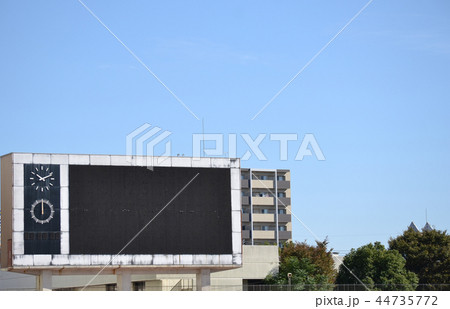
{"points": [[42, 209]]}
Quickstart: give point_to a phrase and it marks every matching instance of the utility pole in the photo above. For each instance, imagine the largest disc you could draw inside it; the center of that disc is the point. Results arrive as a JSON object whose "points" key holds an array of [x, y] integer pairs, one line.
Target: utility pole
{"points": [[289, 275]]}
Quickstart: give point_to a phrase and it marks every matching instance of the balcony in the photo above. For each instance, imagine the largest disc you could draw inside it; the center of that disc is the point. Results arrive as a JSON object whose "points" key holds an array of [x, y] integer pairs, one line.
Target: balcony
{"points": [[245, 234], [264, 218], [283, 184], [263, 234], [283, 218], [262, 184], [245, 200], [286, 201], [259, 200], [245, 217], [284, 235]]}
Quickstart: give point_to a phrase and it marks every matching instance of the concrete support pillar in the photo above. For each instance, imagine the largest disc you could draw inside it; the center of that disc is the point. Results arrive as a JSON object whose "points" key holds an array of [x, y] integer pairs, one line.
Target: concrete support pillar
{"points": [[124, 281], [44, 280], [203, 280]]}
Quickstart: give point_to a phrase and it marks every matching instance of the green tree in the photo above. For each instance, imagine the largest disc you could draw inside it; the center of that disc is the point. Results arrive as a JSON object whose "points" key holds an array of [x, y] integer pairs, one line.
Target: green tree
{"points": [[427, 254], [312, 267], [377, 268]]}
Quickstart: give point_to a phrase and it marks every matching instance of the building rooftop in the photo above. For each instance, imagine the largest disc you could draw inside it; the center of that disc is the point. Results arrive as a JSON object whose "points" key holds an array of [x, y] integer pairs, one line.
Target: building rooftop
{"points": [[426, 228]]}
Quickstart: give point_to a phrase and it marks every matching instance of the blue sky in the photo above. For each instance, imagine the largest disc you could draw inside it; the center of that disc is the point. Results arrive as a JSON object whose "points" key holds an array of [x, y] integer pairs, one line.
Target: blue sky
{"points": [[376, 99]]}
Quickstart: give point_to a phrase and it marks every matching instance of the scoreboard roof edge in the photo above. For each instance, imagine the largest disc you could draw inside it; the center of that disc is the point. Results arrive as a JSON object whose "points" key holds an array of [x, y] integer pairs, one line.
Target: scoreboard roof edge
{"points": [[123, 160]]}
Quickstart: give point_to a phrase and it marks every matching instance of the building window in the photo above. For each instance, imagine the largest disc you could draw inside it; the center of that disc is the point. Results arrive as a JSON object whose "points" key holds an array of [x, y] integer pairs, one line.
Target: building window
{"points": [[281, 194], [110, 287], [265, 211], [262, 177], [281, 178], [281, 211], [281, 228], [264, 228], [139, 286]]}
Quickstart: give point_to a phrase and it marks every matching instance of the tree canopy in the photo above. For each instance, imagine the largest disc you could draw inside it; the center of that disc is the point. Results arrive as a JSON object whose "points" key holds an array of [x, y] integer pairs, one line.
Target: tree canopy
{"points": [[377, 268], [312, 267], [427, 254]]}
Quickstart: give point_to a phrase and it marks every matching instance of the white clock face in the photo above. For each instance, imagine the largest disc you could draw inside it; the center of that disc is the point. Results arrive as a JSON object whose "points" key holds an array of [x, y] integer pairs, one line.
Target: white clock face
{"points": [[42, 211], [41, 178]]}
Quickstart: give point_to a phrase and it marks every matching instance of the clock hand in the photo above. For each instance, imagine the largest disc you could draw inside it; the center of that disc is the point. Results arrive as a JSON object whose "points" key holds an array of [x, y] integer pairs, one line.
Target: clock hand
{"points": [[49, 175], [42, 207], [40, 178]]}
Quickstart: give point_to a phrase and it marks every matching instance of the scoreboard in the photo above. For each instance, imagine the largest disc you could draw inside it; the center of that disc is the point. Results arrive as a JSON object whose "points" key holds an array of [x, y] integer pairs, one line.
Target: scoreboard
{"points": [[89, 210]]}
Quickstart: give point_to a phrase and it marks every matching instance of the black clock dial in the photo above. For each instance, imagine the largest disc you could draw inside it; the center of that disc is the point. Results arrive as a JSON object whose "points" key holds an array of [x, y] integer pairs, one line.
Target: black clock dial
{"points": [[42, 178], [42, 211]]}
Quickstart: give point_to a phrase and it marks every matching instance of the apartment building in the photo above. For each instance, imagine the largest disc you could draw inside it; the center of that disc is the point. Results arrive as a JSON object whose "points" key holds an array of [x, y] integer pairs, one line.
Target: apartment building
{"points": [[266, 206]]}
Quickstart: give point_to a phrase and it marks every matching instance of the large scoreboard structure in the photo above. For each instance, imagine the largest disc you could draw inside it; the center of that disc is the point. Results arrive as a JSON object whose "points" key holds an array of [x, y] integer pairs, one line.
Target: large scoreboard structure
{"points": [[66, 212]]}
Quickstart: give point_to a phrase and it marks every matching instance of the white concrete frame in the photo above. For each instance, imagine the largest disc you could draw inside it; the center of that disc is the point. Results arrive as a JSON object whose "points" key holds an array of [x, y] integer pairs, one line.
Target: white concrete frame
{"points": [[66, 259]]}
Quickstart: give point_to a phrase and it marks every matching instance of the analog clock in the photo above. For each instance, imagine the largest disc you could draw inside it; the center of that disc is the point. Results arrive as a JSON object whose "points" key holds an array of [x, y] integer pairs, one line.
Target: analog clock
{"points": [[42, 211], [42, 178]]}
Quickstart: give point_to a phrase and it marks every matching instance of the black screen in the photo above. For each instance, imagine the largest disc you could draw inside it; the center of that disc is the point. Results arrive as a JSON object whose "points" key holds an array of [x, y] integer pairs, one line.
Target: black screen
{"points": [[109, 205]]}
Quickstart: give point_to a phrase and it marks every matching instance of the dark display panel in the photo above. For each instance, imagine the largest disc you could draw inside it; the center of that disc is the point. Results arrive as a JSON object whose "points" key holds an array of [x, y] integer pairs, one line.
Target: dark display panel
{"points": [[41, 209], [109, 205]]}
